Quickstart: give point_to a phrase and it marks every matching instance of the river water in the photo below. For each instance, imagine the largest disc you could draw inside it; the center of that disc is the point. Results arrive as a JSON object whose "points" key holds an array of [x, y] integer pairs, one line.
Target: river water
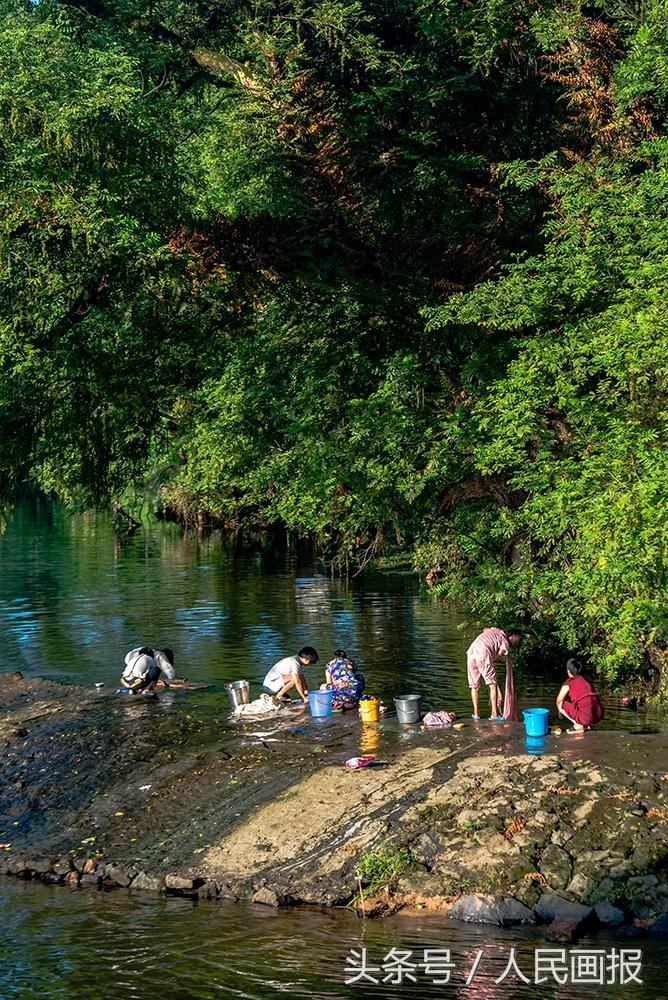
{"points": [[73, 599]]}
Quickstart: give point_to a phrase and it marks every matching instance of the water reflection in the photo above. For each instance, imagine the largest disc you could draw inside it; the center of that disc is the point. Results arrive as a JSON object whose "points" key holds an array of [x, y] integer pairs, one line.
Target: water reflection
{"points": [[88, 944], [71, 605]]}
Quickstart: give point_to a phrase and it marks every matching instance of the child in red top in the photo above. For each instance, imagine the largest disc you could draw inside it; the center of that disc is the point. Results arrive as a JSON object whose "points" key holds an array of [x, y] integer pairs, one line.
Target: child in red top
{"points": [[577, 701]]}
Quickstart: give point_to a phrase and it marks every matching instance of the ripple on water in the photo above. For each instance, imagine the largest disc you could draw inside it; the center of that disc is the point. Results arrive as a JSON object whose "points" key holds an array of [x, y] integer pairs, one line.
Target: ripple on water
{"points": [[89, 944], [71, 609]]}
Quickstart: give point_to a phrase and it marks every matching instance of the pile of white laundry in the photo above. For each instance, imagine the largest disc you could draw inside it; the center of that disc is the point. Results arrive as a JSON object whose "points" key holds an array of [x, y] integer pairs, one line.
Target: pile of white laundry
{"points": [[264, 705]]}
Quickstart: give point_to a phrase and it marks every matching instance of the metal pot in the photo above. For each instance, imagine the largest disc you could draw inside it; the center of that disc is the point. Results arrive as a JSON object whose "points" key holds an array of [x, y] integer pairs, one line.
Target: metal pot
{"points": [[239, 692]]}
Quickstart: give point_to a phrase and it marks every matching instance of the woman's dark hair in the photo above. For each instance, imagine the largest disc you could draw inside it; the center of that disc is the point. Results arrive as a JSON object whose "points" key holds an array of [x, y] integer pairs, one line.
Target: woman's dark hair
{"points": [[340, 654], [145, 651], [169, 653], [309, 653], [574, 667], [515, 638]]}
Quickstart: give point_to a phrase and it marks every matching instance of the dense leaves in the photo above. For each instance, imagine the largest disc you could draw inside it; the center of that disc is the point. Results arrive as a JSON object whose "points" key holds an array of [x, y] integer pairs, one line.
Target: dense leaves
{"points": [[390, 274]]}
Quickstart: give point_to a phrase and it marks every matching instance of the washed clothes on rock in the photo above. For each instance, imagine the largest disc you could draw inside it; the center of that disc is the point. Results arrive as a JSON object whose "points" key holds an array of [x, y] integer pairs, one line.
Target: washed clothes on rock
{"points": [[264, 705]]}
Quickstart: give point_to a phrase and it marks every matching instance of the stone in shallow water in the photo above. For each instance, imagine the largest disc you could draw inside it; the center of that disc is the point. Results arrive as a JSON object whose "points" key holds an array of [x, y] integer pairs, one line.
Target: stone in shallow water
{"points": [[499, 910], [149, 883], [207, 891], [229, 891], [21, 869], [182, 883], [609, 914], [552, 907], [268, 897], [50, 878], [120, 874], [565, 930]]}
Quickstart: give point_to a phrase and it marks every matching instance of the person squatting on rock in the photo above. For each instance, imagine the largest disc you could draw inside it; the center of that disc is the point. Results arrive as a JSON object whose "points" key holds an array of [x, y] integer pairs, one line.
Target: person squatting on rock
{"points": [[481, 656], [577, 701], [343, 677], [146, 667], [288, 673]]}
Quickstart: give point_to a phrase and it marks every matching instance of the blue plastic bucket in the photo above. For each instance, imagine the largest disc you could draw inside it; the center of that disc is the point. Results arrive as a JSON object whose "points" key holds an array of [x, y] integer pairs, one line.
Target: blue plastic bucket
{"points": [[320, 703], [536, 720]]}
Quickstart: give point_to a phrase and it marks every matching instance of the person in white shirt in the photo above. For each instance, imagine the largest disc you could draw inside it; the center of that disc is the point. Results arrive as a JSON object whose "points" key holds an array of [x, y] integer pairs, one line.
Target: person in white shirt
{"points": [[288, 673], [145, 667]]}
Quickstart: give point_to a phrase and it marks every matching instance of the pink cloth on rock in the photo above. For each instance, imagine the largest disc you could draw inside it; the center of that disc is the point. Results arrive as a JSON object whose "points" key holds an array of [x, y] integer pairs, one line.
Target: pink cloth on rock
{"points": [[439, 720]]}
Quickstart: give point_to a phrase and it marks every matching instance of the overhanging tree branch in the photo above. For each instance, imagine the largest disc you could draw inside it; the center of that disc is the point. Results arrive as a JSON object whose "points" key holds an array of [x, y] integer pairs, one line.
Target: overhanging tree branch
{"points": [[478, 486], [211, 61]]}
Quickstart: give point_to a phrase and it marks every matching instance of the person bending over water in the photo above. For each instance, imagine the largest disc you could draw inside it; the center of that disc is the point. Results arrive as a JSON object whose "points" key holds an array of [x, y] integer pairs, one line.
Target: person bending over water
{"points": [[481, 656], [145, 668], [577, 701], [343, 677], [288, 673]]}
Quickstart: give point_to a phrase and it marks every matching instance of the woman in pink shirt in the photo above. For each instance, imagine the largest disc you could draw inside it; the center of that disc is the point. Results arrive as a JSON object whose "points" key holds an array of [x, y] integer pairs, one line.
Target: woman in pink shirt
{"points": [[577, 701], [481, 656]]}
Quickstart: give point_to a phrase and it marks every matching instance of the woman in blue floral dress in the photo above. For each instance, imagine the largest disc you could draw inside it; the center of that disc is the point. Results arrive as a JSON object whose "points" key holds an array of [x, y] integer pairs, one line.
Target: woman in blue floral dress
{"points": [[345, 680]]}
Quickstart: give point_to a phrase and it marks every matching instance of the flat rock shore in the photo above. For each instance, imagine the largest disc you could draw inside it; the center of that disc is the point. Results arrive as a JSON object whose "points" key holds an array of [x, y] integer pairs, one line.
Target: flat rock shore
{"points": [[100, 795]]}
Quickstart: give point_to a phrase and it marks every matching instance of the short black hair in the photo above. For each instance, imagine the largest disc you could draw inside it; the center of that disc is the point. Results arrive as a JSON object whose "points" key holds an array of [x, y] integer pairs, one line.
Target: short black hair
{"points": [[574, 667], [169, 653], [145, 651], [309, 653], [340, 654]]}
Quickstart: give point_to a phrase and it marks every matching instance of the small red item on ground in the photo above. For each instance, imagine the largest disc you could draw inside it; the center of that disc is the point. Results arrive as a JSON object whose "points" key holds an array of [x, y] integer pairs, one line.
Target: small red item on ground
{"points": [[354, 762]]}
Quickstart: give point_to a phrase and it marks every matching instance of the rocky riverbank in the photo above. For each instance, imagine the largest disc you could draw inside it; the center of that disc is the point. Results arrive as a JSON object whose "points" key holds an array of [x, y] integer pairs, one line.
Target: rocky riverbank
{"points": [[97, 792]]}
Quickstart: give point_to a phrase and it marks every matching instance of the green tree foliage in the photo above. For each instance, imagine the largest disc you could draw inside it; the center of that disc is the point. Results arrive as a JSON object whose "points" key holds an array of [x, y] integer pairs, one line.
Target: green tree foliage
{"points": [[386, 273]]}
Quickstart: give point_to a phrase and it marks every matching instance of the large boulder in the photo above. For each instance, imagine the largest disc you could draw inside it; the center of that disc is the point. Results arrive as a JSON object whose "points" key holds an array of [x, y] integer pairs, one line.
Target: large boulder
{"points": [[552, 907], [499, 910], [268, 897]]}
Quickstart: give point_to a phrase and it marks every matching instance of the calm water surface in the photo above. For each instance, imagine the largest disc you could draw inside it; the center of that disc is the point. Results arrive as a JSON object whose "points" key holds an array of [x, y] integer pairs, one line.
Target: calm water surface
{"points": [[118, 946], [73, 600]]}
